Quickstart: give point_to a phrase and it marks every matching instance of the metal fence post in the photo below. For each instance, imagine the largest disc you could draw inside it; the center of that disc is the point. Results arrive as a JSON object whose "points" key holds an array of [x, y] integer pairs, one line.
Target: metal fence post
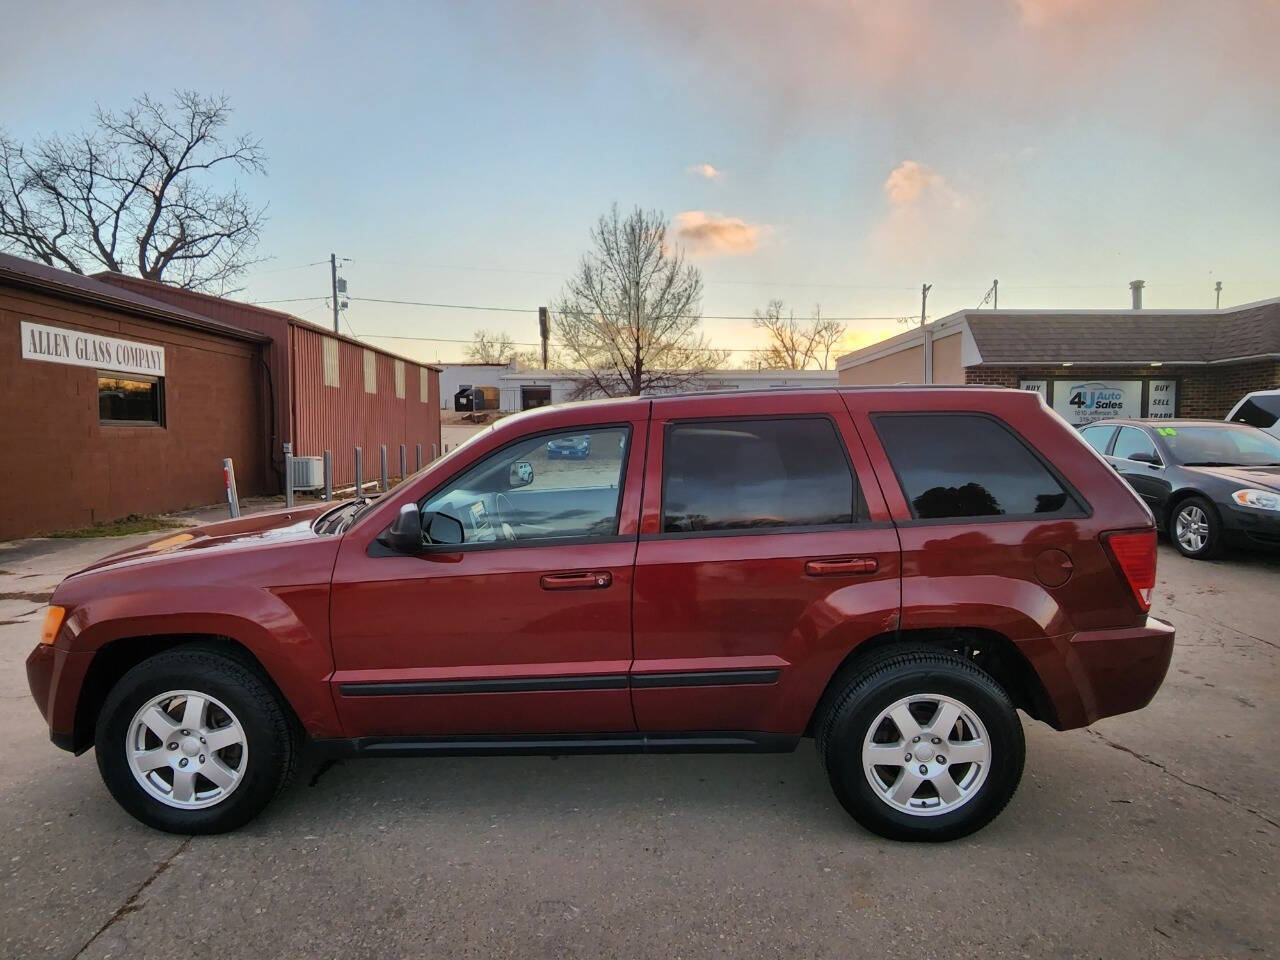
{"points": [[404, 463], [417, 456], [383, 458], [229, 474], [359, 472], [433, 451], [288, 474], [328, 475]]}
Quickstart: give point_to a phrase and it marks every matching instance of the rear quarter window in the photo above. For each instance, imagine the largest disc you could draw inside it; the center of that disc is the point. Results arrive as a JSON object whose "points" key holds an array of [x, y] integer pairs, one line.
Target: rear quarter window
{"points": [[953, 465]]}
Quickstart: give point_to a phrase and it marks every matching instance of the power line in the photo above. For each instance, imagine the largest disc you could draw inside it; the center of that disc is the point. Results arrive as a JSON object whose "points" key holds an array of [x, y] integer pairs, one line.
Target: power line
{"points": [[521, 343]]}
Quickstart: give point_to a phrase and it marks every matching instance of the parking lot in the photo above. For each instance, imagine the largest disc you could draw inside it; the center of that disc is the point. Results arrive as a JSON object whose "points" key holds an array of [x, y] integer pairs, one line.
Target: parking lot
{"points": [[1152, 834]]}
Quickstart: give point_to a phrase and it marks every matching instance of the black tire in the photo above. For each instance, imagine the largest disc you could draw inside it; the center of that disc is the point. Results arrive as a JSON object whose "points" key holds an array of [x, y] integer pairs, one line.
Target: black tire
{"points": [[1213, 541], [272, 740], [889, 678]]}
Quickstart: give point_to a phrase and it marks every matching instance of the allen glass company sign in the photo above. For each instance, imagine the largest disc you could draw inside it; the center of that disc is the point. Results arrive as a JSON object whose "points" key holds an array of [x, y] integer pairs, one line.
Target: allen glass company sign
{"points": [[80, 348]]}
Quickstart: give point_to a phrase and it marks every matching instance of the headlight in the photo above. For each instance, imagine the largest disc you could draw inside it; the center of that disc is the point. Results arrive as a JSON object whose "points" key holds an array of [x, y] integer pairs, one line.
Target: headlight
{"points": [[1258, 499]]}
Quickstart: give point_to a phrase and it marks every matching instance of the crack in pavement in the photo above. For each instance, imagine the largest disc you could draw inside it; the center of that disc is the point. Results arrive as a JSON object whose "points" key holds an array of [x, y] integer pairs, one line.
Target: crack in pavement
{"points": [[1224, 626], [1183, 780], [132, 904]]}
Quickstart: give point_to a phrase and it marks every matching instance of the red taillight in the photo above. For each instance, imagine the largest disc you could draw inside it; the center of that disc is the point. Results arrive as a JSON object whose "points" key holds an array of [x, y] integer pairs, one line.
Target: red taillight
{"points": [[1135, 554]]}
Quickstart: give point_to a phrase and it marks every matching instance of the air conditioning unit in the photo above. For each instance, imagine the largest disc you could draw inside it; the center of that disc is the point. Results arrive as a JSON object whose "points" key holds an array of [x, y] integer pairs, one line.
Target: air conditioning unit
{"points": [[308, 473]]}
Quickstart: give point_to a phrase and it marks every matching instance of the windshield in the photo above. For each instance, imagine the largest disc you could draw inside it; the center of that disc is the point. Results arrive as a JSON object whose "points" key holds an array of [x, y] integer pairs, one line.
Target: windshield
{"points": [[1212, 445]]}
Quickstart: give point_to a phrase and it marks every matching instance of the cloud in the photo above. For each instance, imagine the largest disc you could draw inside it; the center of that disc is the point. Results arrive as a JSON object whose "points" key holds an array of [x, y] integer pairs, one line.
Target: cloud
{"points": [[704, 170], [711, 234], [911, 183], [1041, 12], [925, 215]]}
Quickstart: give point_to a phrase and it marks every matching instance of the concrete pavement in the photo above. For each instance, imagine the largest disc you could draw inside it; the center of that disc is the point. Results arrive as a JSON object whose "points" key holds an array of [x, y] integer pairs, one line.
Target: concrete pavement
{"points": [[1153, 834]]}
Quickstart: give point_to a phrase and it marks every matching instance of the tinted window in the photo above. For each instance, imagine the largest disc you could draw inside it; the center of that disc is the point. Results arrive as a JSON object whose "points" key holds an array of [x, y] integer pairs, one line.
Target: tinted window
{"points": [[130, 399], [540, 489], [962, 465], [1259, 411], [1131, 441], [1098, 437], [744, 474]]}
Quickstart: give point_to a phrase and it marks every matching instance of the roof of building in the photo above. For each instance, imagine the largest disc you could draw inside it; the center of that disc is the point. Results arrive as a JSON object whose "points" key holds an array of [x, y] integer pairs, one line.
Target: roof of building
{"points": [[1029, 337], [27, 274], [255, 311]]}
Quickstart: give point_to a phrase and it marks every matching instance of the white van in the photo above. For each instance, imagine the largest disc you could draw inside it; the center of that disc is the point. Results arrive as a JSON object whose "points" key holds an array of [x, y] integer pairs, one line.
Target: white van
{"points": [[1259, 409]]}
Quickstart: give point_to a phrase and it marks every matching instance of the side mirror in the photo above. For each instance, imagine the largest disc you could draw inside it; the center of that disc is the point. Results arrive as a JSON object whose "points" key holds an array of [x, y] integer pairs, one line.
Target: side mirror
{"points": [[443, 529], [405, 535], [1144, 457], [521, 474]]}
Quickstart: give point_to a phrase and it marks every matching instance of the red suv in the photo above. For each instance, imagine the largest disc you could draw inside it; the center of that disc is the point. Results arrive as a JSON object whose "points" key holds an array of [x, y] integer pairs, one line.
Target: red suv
{"points": [[893, 572]]}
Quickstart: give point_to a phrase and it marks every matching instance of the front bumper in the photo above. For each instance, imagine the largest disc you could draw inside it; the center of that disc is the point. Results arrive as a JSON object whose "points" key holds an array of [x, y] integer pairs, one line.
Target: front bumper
{"points": [[55, 677], [1252, 528], [1112, 671]]}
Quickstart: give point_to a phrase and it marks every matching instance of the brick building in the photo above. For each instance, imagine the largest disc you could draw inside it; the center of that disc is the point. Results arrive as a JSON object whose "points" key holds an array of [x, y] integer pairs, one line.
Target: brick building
{"points": [[123, 397], [1090, 364]]}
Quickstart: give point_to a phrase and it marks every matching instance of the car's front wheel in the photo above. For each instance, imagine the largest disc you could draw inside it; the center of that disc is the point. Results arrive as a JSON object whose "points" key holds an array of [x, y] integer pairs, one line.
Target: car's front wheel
{"points": [[1196, 531], [922, 745], [194, 740]]}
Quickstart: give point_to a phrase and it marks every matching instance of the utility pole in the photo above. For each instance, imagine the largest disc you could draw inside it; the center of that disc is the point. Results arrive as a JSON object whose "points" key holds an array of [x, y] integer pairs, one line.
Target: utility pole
{"points": [[995, 294], [1217, 295], [544, 331], [333, 276], [925, 347]]}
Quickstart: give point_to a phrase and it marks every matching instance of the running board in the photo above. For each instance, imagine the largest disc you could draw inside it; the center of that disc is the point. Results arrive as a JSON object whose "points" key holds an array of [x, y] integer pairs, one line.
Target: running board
{"points": [[555, 745]]}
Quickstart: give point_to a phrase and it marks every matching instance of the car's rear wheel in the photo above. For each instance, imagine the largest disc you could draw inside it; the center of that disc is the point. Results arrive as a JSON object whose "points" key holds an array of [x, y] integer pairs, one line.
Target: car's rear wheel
{"points": [[1196, 531], [194, 741], [922, 745]]}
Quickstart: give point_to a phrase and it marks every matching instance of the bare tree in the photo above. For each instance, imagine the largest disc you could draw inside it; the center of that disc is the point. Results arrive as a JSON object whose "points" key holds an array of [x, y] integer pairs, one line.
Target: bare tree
{"points": [[629, 316], [795, 344], [134, 194], [486, 347]]}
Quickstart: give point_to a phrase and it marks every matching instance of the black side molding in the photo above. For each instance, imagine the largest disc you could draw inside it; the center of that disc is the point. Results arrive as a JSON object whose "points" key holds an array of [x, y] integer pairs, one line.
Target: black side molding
{"points": [[704, 678], [410, 688], [556, 745], [602, 681]]}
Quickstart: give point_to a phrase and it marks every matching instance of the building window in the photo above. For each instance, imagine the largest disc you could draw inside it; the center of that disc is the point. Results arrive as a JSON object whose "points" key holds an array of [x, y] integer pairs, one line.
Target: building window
{"points": [[424, 385], [130, 399], [370, 372], [399, 379], [331, 377]]}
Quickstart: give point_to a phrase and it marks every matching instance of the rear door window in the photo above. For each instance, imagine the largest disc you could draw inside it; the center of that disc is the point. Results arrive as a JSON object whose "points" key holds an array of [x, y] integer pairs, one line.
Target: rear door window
{"points": [[749, 474], [969, 465]]}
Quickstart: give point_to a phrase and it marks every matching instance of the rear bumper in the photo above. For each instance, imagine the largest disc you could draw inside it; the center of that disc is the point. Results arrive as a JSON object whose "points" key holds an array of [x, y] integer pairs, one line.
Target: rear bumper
{"points": [[55, 677], [1112, 671]]}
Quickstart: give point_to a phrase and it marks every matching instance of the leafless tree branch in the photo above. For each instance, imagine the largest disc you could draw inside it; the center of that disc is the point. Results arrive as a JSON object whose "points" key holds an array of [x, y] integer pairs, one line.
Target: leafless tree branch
{"points": [[144, 190], [794, 344], [629, 316]]}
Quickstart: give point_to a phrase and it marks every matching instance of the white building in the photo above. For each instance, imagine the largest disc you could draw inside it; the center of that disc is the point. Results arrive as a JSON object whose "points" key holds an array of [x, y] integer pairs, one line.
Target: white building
{"points": [[525, 389]]}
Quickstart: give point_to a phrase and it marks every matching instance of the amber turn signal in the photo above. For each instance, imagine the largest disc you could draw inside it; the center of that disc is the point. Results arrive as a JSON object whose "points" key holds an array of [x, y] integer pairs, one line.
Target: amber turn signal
{"points": [[52, 624]]}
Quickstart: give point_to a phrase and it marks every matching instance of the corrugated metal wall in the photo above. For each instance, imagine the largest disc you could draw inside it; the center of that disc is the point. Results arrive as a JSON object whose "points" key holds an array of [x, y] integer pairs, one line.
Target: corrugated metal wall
{"points": [[346, 416]]}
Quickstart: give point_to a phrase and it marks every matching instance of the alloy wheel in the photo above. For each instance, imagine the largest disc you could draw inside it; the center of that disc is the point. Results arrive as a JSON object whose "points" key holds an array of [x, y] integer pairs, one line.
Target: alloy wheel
{"points": [[187, 749], [926, 755], [1192, 528]]}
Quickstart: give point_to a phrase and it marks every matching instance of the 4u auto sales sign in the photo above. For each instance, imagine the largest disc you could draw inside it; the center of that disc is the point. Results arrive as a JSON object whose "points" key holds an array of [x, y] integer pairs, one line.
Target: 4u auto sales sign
{"points": [[1082, 402]]}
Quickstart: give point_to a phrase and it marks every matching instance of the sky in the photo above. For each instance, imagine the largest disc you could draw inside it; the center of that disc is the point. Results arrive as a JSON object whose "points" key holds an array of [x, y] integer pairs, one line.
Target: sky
{"points": [[823, 153]]}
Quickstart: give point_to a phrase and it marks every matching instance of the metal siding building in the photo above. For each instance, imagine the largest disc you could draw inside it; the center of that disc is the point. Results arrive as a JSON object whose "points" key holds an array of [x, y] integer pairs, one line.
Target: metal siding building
{"points": [[344, 415]]}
